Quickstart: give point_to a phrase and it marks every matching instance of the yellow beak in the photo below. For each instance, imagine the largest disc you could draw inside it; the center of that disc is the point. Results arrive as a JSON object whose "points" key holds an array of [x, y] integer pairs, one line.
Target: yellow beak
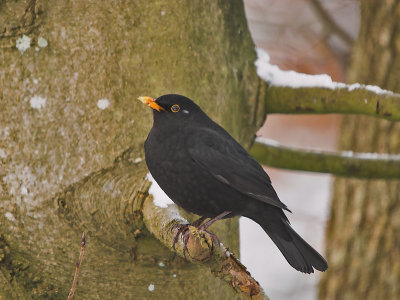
{"points": [[151, 102]]}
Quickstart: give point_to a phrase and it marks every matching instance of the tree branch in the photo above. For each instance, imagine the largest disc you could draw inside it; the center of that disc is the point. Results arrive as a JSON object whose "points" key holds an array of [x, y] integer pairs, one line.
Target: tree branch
{"points": [[201, 248], [330, 23], [361, 165], [132, 209], [318, 100]]}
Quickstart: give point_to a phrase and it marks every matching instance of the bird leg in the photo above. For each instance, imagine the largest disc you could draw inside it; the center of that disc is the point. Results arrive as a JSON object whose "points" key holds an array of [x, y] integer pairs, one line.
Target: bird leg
{"points": [[183, 229], [210, 222]]}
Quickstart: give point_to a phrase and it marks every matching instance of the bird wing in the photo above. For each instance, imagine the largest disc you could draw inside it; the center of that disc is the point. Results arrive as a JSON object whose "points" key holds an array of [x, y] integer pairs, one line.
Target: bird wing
{"points": [[229, 163]]}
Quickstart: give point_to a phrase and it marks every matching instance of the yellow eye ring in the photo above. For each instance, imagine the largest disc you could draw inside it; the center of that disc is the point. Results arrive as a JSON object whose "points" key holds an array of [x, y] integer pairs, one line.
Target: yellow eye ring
{"points": [[175, 108]]}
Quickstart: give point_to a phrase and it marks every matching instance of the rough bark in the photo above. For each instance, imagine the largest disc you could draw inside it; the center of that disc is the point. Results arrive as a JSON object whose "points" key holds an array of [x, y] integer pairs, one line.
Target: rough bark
{"points": [[57, 172], [363, 234], [317, 100]]}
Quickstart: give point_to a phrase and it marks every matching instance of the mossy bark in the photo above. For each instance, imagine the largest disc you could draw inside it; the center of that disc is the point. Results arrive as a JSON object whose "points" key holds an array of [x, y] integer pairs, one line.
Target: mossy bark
{"points": [[363, 234], [318, 100], [346, 163], [58, 148]]}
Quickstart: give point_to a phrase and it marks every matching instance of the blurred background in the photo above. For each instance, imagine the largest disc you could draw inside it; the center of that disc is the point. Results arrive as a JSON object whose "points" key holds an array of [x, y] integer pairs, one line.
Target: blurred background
{"points": [[314, 37]]}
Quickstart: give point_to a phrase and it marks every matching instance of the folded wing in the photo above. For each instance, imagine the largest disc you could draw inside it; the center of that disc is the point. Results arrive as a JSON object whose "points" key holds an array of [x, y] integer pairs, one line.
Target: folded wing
{"points": [[229, 163]]}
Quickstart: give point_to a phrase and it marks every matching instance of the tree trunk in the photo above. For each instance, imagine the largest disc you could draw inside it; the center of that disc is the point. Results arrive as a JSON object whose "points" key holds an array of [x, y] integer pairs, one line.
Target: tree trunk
{"points": [[363, 234], [68, 110]]}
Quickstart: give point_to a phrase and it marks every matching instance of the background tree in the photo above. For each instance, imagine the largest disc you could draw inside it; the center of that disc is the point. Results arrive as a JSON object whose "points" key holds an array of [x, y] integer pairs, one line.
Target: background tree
{"points": [[363, 235]]}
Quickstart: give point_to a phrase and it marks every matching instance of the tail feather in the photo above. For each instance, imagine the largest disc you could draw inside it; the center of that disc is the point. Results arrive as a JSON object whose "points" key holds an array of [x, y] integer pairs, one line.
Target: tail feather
{"points": [[297, 252]]}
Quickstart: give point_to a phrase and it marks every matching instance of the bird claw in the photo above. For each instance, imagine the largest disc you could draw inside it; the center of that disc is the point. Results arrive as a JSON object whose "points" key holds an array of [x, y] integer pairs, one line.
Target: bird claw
{"points": [[184, 232], [212, 235]]}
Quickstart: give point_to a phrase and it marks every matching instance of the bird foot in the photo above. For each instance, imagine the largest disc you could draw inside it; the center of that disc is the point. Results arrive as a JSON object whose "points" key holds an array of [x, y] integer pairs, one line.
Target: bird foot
{"points": [[212, 235], [184, 232]]}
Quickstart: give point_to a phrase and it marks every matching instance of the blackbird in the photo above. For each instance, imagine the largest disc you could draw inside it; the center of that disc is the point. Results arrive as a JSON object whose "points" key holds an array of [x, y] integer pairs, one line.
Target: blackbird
{"points": [[206, 172]]}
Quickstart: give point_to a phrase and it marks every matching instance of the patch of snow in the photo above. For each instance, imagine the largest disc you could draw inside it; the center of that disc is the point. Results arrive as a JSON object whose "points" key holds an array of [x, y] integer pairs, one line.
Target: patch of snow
{"points": [[354, 86], [37, 102], [174, 275], [267, 141], [151, 287], [42, 43], [376, 89], [23, 43], [161, 264], [160, 199], [347, 153], [103, 103], [138, 160], [368, 155], [163, 13], [277, 77]]}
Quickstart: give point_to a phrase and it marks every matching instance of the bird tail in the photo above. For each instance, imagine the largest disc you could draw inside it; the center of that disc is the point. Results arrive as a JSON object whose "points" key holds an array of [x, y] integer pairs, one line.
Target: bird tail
{"points": [[297, 252]]}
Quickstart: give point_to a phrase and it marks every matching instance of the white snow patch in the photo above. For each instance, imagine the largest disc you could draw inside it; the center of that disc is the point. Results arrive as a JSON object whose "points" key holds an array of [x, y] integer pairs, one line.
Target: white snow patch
{"points": [[103, 103], [174, 275], [368, 155], [10, 216], [376, 89], [161, 264], [138, 160], [23, 43], [37, 102], [160, 199], [277, 77], [42, 42], [151, 287], [163, 13], [267, 141]]}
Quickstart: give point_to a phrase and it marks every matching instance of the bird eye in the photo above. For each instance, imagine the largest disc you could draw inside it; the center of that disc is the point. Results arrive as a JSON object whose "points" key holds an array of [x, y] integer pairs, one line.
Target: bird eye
{"points": [[175, 108]]}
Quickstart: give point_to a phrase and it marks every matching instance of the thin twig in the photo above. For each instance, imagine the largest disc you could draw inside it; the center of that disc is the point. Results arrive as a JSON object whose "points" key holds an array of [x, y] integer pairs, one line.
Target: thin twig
{"points": [[77, 267]]}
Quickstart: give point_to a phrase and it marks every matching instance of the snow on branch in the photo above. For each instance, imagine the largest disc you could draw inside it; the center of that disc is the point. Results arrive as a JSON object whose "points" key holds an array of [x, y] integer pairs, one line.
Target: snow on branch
{"points": [[296, 93], [344, 163], [277, 77]]}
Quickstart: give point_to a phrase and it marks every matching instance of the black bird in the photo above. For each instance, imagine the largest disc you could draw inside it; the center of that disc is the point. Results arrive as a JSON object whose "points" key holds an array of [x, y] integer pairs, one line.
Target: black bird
{"points": [[206, 172]]}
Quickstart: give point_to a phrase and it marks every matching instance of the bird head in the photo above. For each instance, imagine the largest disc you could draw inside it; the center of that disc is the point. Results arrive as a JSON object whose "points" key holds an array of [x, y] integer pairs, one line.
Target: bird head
{"points": [[172, 108]]}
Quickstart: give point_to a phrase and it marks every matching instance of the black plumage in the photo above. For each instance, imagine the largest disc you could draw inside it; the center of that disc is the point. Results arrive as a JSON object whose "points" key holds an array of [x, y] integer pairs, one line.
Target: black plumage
{"points": [[206, 172]]}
